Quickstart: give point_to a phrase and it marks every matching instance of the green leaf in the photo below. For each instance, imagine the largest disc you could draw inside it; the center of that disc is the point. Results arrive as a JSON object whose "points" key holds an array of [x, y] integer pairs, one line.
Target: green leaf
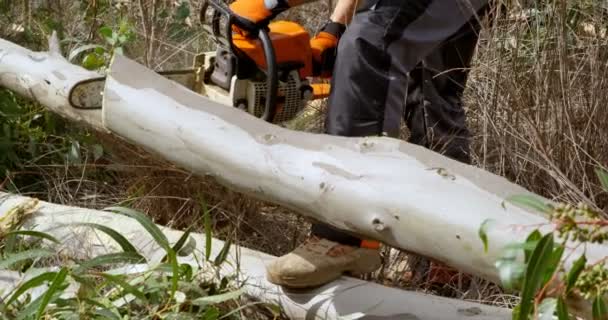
{"points": [[515, 312], [603, 177], [600, 311], [74, 53], [535, 273], [510, 273], [25, 255], [33, 233], [97, 151], [73, 155], [510, 269], [111, 259], [123, 38], [221, 257], [177, 247], [29, 311], [53, 288], [9, 106], [112, 40], [119, 238], [187, 249], [182, 12], [274, 309], [219, 298], [175, 272], [554, 262], [211, 313], [93, 61], [186, 271], [483, 235], [531, 202], [577, 267], [531, 243], [208, 229], [29, 284], [145, 222], [126, 287], [513, 249], [106, 313], [562, 309], [182, 316], [546, 309], [106, 32], [124, 27]]}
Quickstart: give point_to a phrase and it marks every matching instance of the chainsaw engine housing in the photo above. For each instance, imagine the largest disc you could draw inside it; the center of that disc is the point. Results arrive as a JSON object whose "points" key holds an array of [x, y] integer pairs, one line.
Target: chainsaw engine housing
{"points": [[241, 72]]}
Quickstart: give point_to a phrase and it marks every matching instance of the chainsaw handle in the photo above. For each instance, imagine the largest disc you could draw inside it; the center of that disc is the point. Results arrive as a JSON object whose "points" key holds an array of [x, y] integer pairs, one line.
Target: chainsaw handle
{"points": [[272, 78]]}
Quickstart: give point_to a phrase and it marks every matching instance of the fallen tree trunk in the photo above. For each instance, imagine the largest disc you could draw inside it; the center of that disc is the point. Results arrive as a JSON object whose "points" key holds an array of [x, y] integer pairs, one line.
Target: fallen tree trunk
{"points": [[45, 77], [347, 296], [381, 188], [377, 187]]}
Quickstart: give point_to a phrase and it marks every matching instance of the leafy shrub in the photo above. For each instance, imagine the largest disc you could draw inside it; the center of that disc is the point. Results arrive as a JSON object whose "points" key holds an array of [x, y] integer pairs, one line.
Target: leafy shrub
{"points": [[31, 136], [167, 290], [541, 278]]}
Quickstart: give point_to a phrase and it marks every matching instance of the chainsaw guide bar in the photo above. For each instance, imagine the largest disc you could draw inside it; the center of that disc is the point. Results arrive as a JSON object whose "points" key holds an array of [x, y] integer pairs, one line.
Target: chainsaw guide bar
{"points": [[88, 94]]}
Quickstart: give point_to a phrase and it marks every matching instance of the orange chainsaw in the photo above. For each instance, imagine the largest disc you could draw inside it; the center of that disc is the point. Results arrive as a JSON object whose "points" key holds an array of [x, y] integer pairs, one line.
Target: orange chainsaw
{"points": [[267, 74]]}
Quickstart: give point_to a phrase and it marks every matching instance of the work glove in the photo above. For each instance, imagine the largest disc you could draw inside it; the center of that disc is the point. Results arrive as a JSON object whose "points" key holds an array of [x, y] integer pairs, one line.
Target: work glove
{"points": [[254, 14], [324, 48]]}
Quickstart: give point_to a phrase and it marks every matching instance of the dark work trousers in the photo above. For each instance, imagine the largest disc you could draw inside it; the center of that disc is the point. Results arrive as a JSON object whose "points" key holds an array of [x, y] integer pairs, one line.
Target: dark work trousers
{"points": [[404, 59]]}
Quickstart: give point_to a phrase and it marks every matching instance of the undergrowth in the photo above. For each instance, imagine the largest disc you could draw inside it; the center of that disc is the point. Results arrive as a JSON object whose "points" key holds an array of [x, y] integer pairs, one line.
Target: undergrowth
{"points": [[117, 285], [32, 136], [555, 277]]}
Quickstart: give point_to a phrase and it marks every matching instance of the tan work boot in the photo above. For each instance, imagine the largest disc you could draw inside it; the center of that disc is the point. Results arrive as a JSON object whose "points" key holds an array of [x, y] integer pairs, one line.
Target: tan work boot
{"points": [[318, 261]]}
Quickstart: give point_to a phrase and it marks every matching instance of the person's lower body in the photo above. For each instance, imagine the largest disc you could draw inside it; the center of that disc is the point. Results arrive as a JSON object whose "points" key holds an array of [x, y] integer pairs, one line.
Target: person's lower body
{"points": [[378, 81]]}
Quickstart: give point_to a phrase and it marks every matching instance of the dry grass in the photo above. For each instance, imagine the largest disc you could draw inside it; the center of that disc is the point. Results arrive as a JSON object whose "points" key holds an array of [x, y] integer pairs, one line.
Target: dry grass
{"points": [[536, 100]]}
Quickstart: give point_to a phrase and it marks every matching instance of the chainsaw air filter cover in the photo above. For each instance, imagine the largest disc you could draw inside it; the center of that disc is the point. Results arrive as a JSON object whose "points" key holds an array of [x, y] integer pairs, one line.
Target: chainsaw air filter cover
{"points": [[291, 99]]}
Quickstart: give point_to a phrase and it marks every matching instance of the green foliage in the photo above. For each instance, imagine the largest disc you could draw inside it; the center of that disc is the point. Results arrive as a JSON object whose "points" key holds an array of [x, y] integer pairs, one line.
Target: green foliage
{"points": [[562, 309], [208, 229], [536, 270], [119, 238], [114, 41], [30, 136], [25, 131], [12, 259], [603, 177], [56, 285], [167, 290], [178, 27], [600, 311], [483, 233], [530, 202], [541, 265], [575, 272]]}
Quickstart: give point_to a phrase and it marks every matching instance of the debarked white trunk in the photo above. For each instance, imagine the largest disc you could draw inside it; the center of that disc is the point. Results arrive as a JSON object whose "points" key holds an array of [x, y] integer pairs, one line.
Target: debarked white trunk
{"points": [[45, 77], [344, 297], [381, 188]]}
